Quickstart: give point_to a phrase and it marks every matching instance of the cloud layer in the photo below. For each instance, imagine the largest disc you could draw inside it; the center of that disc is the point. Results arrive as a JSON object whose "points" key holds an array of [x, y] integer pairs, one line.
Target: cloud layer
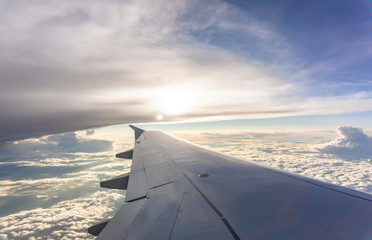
{"points": [[50, 185], [295, 151], [75, 65]]}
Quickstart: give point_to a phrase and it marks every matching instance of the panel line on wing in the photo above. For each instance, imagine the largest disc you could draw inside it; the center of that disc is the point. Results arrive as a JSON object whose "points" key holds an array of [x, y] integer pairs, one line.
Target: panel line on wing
{"points": [[224, 220], [320, 184], [215, 209], [178, 211], [165, 184], [340, 189]]}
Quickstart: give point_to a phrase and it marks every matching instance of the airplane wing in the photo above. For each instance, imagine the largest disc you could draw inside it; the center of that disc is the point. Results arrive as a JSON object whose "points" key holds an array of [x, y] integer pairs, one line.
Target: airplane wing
{"points": [[179, 190]]}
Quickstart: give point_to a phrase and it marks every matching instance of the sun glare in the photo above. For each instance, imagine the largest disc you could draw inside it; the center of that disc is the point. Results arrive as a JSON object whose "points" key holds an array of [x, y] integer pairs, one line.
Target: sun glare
{"points": [[176, 101]]}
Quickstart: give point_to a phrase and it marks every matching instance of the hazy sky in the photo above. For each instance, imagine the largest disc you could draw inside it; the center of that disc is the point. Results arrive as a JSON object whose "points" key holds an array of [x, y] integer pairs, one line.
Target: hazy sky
{"points": [[68, 65]]}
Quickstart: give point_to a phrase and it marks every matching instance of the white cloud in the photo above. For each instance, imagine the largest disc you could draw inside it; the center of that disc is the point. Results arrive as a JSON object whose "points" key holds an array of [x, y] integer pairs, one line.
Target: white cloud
{"points": [[68, 219], [353, 144], [64, 206], [295, 151], [49, 193]]}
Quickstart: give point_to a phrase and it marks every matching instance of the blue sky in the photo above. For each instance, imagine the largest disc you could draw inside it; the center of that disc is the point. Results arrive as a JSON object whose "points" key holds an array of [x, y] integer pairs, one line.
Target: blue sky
{"points": [[75, 65]]}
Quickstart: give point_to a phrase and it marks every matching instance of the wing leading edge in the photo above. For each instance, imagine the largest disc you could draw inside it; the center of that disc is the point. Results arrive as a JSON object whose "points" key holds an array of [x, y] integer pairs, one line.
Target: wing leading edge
{"points": [[179, 190]]}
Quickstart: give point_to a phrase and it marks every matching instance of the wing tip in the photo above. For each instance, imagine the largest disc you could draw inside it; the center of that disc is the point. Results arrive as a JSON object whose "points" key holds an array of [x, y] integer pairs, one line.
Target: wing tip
{"points": [[137, 131], [136, 128]]}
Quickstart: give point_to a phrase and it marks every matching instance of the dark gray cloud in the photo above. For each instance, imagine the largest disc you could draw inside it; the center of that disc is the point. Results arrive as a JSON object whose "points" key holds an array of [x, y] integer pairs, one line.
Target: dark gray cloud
{"points": [[52, 145], [68, 65], [71, 65], [35, 123], [70, 143], [353, 144]]}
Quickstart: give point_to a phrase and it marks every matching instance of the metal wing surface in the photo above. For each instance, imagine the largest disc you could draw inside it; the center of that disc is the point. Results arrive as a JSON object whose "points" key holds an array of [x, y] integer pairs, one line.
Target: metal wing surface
{"points": [[179, 190]]}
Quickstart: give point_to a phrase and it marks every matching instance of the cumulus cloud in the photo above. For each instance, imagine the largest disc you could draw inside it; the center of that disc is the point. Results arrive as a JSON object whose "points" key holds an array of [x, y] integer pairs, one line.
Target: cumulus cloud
{"points": [[61, 203], [50, 185], [353, 144], [65, 220], [294, 151]]}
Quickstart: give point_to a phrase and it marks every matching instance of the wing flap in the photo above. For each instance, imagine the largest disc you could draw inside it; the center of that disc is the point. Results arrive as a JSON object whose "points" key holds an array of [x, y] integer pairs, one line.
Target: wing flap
{"points": [[197, 220], [162, 174], [137, 163], [118, 227], [137, 186], [156, 220]]}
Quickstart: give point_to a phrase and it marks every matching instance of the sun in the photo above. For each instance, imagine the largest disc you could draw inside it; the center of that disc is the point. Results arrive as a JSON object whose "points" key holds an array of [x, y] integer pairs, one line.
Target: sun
{"points": [[176, 101]]}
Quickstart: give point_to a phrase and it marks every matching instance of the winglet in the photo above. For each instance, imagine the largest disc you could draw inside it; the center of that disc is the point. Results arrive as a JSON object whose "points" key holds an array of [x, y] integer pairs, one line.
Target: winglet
{"points": [[137, 131]]}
